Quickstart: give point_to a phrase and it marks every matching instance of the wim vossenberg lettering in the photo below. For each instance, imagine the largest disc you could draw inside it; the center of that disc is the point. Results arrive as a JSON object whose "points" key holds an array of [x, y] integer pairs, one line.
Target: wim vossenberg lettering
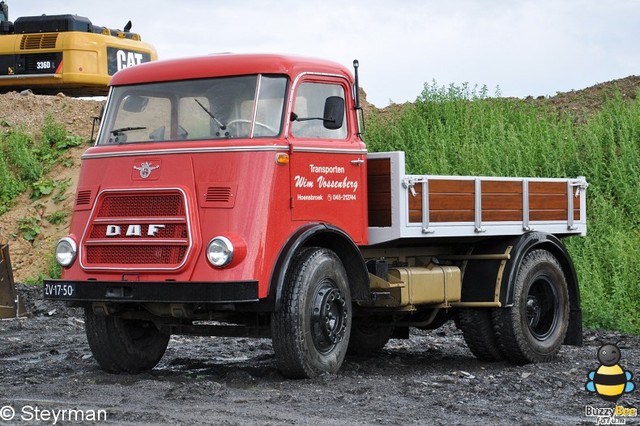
{"points": [[325, 182]]}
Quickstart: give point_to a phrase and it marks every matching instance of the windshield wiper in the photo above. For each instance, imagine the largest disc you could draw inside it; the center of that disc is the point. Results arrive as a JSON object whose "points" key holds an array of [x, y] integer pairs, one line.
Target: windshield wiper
{"points": [[126, 129], [222, 126]]}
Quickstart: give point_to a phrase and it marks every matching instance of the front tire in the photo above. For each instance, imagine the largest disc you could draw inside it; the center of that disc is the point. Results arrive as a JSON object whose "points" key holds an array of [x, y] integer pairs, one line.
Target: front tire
{"points": [[533, 329], [122, 345], [310, 332]]}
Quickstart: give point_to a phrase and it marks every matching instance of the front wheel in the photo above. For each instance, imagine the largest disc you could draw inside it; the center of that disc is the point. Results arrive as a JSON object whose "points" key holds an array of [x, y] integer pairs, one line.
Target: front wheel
{"points": [[311, 330], [123, 345], [533, 329]]}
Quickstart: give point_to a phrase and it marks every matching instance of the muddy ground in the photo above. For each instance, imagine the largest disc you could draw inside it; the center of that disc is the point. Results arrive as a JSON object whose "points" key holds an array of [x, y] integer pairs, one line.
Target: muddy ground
{"points": [[46, 364]]}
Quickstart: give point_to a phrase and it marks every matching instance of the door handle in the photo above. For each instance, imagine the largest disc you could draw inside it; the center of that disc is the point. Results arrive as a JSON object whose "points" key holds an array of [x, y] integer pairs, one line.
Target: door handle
{"points": [[357, 162]]}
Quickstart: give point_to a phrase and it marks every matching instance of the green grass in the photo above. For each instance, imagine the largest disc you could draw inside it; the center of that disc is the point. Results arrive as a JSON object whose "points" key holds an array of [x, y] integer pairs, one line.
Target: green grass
{"points": [[461, 131], [24, 160]]}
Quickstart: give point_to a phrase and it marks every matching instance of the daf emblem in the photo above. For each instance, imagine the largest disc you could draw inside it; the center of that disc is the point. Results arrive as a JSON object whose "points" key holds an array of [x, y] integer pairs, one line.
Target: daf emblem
{"points": [[145, 169]]}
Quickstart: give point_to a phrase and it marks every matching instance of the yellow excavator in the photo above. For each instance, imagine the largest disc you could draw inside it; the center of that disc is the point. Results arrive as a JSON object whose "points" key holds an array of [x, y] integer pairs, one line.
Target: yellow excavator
{"points": [[65, 53], [10, 304]]}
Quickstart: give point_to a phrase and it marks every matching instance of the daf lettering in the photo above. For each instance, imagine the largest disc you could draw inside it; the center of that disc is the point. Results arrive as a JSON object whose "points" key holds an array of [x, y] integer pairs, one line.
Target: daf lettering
{"points": [[113, 230], [133, 230], [153, 230]]}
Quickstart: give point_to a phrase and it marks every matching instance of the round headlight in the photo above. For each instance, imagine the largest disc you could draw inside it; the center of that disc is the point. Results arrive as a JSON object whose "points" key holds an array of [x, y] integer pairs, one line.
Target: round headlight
{"points": [[220, 252], [66, 251]]}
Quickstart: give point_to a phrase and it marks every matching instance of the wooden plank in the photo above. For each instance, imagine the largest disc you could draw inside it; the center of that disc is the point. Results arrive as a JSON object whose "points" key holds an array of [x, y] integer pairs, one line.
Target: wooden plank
{"points": [[536, 187], [548, 202], [443, 202], [449, 186], [501, 201], [552, 215], [379, 218], [377, 184], [379, 167], [380, 201], [501, 187]]}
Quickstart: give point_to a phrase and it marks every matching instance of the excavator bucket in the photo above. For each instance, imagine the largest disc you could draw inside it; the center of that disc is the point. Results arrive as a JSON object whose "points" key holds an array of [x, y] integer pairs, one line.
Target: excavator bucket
{"points": [[10, 305]]}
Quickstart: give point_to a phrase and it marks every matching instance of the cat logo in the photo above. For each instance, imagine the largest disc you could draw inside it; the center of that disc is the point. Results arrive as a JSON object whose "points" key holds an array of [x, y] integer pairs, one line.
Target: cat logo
{"points": [[119, 59], [127, 59]]}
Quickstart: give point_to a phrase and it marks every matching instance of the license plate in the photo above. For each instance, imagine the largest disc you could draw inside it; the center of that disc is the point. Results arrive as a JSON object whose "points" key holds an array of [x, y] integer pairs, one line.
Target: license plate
{"points": [[59, 290]]}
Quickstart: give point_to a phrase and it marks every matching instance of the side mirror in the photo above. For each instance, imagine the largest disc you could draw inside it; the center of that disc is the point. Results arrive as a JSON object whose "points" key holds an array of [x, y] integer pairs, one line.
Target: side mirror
{"points": [[333, 112], [135, 103]]}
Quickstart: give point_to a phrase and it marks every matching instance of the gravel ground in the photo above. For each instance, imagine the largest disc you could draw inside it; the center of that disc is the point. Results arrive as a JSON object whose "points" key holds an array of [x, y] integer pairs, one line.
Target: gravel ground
{"points": [[432, 378]]}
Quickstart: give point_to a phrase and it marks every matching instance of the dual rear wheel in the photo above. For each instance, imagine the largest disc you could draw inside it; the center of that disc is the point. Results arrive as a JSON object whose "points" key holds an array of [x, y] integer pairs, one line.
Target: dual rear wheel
{"points": [[534, 327]]}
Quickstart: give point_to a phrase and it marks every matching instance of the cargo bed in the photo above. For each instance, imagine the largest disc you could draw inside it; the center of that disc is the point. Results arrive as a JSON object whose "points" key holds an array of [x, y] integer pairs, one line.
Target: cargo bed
{"points": [[418, 206]]}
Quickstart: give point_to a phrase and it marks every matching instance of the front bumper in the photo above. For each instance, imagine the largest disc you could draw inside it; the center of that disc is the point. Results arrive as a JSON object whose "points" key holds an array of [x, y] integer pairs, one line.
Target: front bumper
{"points": [[146, 291]]}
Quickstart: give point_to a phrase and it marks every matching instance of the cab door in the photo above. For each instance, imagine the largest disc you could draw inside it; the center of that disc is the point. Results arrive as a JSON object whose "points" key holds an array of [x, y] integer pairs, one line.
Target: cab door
{"points": [[328, 158]]}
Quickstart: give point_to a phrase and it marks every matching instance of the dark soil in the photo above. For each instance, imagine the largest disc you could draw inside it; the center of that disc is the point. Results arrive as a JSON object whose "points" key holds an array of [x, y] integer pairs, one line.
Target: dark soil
{"points": [[432, 378]]}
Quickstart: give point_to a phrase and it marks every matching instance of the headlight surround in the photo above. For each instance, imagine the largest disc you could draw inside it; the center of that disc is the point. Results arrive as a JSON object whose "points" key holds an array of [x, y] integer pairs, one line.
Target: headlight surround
{"points": [[220, 251], [66, 251]]}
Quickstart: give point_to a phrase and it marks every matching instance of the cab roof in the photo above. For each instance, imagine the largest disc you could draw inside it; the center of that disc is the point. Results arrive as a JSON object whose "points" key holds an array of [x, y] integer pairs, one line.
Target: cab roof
{"points": [[225, 64]]}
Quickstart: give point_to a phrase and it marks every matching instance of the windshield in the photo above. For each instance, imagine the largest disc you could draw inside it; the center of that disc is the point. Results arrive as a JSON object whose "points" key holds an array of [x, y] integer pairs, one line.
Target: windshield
{"points": [[217, 108]]}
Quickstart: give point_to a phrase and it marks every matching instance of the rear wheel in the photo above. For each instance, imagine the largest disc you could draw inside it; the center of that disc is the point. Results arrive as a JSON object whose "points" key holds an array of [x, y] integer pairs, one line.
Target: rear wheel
{"points": [[477, 330], [311, 330], [122, 345], [367, 338], [533, 329]]}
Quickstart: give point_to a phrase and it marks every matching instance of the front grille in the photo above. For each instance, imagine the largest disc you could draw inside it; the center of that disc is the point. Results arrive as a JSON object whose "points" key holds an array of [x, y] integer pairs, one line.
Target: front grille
{"points": [[136, 205], [38, 41], [136, 255], [137, 230]]}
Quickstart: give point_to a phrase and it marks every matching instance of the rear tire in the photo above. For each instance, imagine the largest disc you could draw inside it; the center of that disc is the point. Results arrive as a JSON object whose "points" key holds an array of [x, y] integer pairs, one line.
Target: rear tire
{"points": [[477, 330], [366, 338], [122, 345], [310, 332], [533, 329]]}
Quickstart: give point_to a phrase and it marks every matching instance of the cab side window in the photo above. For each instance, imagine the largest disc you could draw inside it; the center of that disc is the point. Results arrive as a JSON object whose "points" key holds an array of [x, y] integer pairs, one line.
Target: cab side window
{"points": [[309, 109]]}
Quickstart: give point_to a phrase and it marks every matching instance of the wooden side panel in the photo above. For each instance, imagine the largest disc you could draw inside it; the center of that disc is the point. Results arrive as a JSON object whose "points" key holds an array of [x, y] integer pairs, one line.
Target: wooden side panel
{"points": [[379, 192], [502, 201]]}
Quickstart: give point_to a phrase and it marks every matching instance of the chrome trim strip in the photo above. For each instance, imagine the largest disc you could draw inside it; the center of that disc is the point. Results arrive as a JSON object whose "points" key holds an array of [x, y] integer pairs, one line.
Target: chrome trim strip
{"points": [[330, 150], [136, 241], [124, 268], [186, 151], [117, 219]]}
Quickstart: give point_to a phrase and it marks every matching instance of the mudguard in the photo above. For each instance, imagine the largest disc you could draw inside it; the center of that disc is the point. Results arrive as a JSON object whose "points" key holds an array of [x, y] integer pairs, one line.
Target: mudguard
{"points": [[539, 240], [321, 235]]}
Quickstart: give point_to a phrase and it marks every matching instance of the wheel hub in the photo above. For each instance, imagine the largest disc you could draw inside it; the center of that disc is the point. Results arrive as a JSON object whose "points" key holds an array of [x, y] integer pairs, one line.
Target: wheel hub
{"points": [[329, 319], [542, 308]]}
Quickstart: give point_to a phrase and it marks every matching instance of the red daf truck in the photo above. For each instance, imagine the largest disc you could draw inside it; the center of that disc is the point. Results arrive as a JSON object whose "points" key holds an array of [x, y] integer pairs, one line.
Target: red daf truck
{"points": [[232, 195]]}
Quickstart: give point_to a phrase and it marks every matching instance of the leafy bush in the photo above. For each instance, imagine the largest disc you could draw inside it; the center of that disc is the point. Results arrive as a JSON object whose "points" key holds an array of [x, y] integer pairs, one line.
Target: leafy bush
{"points": [[24, 161]]}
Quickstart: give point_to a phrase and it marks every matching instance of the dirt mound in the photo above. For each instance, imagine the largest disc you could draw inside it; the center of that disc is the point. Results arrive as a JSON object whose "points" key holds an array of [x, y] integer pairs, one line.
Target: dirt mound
{"points": [[28, 112], [585, 102]]}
